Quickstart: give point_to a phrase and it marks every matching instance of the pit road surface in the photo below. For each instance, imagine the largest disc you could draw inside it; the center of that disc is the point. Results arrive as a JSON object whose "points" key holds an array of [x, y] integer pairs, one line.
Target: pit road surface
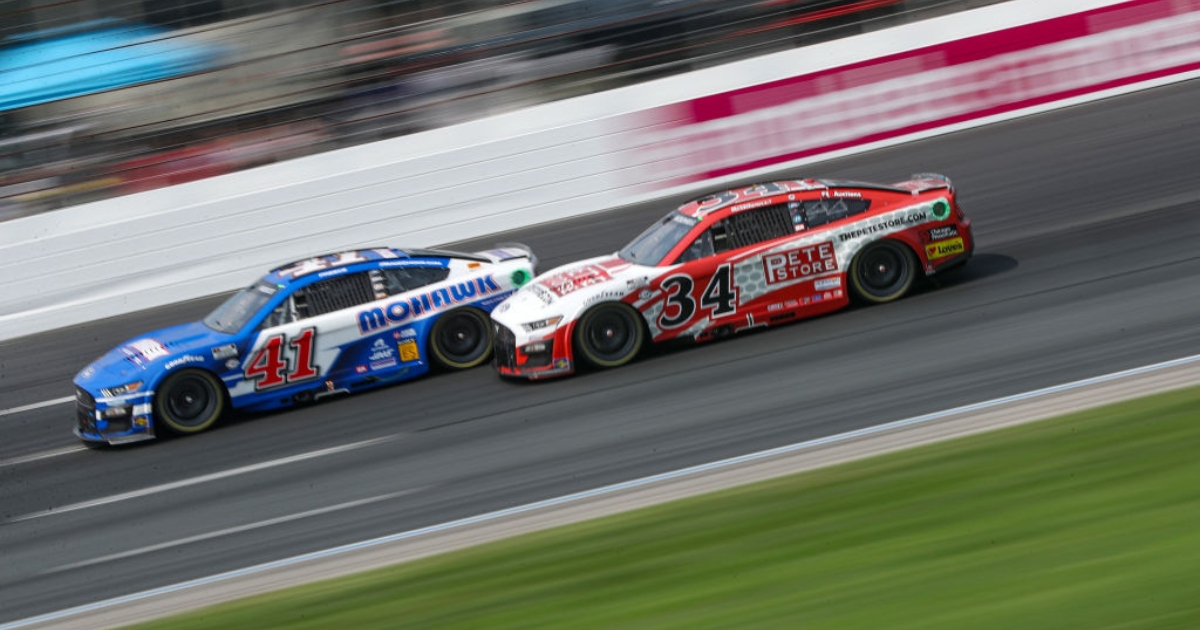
{"points": [[1087, 221]]}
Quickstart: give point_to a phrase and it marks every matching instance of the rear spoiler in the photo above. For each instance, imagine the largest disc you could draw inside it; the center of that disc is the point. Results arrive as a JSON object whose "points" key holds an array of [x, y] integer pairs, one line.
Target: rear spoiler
{"points": [[509, 251], [922, 182]]}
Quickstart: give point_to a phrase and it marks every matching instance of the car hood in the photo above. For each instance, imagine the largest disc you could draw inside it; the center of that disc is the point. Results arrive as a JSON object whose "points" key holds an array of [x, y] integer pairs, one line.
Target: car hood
{"points": [[151, 353], [566, 290]]}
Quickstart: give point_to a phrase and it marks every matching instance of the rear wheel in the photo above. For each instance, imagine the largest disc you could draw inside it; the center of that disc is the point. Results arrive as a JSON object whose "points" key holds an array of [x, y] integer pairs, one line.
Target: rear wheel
{"points": [[882, 272], [609, 335], [461, 339], [189, 401]]}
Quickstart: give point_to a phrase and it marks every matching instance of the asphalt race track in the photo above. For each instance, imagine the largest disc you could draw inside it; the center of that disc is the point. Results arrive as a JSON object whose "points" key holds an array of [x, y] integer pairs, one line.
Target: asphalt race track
{"points": [[1087, 219]]}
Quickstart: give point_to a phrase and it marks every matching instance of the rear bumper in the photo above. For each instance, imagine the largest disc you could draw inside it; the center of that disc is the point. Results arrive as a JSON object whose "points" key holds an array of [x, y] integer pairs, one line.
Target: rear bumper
{"points": [[958, 260]]}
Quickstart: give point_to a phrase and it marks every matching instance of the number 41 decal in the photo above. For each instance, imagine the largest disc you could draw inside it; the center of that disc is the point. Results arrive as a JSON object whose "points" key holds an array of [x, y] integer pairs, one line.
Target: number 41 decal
{"points": [[268, 366], [720, 295]]}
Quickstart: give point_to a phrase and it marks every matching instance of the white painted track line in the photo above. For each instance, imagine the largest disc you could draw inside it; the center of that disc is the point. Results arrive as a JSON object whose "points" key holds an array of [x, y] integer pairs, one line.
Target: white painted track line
{"points": [[37, 405], [231, 530], [33, 457], [183, 483]]}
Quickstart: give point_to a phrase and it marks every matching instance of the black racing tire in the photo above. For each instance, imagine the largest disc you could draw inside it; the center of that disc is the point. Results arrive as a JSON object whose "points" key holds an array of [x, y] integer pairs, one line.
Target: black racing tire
{"points": [[461, 339], [189, 401], [882, 272], [609, 335]]}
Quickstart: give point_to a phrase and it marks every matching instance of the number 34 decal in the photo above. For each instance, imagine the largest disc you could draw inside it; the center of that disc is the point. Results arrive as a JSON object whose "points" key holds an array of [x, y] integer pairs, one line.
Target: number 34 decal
{"points": [[269, 368], [720, 295]]}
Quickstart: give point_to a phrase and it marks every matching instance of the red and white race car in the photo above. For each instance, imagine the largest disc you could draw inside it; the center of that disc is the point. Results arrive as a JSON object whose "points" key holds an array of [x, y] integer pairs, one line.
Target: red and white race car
{"points": [[734, 260]]}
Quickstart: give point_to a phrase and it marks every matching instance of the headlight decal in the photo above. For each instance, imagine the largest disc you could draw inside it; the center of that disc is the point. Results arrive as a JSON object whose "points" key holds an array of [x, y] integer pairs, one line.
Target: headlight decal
{"points": [[542, 323], [121, 390]]}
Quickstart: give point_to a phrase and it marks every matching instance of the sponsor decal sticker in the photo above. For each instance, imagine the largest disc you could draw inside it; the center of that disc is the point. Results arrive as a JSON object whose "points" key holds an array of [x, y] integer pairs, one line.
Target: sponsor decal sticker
{"points": [[889, 224], [333, 272], [800, 262], [224, 352], [572, 280], [750, 205], [603, 296], [431, 264], [401, 310], [941, 233], [540, 291], [942, 249], [409, 351], [824, 284], [188, 358], [519, 277], [382, 356], [145, 350], [311, 265]]}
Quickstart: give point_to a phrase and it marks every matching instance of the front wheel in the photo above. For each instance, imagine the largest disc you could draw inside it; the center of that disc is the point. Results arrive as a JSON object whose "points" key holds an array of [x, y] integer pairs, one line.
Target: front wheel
{"points": [[461, 339], [189, 401], [882, 272], [609, 335]]}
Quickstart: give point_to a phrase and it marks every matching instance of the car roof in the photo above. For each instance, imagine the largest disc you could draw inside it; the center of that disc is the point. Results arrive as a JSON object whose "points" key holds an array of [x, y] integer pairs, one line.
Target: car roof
{"points": [[707, 204], [304, 267]]}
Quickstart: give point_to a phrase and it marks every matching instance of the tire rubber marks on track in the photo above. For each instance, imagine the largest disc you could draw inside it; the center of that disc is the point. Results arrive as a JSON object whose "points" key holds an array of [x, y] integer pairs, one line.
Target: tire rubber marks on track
{"points": [[183, 483]]}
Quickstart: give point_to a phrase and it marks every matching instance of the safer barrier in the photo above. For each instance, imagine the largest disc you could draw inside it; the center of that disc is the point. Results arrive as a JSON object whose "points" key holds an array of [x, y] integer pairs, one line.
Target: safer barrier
{"points": [[588, 154]]}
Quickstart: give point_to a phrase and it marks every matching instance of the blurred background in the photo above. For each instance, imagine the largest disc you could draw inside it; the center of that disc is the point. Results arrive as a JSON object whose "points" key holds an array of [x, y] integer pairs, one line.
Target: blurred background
{"points": [[100, 98]]}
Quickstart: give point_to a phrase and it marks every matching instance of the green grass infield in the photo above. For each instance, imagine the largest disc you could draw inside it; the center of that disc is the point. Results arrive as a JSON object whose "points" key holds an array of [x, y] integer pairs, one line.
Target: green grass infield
{"points": [[1087, 521]]}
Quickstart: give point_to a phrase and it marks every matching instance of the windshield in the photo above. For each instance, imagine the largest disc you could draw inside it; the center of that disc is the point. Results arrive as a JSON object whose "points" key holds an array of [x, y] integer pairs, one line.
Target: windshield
{"points": [[657, 241], [231, 316]]}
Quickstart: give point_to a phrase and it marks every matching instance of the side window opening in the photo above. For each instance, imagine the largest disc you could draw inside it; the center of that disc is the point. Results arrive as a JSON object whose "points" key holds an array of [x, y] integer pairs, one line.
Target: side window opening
{"points": [[818, 212], [285, 313], [752, 227], [401, 279], [333, 294], [702, 247], [720, 237]]}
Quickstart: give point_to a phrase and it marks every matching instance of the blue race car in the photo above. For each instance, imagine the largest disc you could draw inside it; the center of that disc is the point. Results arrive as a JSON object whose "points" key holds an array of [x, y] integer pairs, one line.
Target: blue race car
{"points": [[332, 324]]}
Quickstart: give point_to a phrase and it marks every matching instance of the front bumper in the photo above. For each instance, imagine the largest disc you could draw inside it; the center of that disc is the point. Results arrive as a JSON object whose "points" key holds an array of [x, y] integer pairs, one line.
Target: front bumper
{"points": [[115, 421], [518, 357]]}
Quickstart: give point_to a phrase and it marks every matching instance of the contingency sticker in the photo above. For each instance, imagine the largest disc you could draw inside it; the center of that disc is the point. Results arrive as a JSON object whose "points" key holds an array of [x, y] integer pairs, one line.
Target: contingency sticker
{"points": [[942, 249]]}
